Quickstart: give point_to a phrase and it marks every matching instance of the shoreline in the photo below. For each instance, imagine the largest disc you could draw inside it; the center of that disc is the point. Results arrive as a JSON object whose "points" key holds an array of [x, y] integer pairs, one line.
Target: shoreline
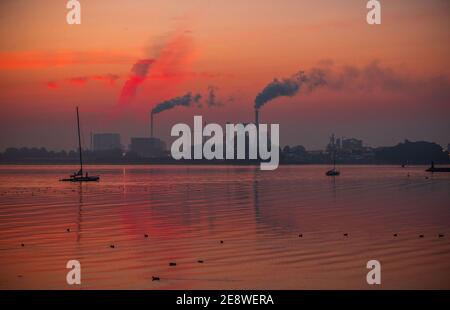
{"points": [[205, 163]]}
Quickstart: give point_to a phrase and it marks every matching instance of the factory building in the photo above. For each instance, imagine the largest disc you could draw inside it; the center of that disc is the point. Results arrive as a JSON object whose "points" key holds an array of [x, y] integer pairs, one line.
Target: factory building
{"points": [[106, 142], [147, 147]]}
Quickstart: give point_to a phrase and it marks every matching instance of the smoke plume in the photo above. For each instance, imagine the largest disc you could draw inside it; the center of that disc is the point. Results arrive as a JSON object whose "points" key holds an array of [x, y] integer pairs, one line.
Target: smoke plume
{"points": [[187, 100], [137, 76], [289, 87], [211, 97], [167, 57]]}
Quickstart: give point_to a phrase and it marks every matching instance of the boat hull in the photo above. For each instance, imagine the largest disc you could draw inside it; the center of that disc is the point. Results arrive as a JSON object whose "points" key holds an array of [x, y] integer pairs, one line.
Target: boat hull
{"points": [[82, 179], [332, 173]]}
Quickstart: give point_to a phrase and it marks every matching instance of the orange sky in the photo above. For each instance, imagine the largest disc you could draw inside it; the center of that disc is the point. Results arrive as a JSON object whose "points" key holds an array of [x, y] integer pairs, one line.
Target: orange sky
{"points": [[48, 67]]}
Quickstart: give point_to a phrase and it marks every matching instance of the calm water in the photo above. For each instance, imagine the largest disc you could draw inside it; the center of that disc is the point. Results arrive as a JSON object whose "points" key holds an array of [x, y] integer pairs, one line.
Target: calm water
{"points": [[187, 210]]}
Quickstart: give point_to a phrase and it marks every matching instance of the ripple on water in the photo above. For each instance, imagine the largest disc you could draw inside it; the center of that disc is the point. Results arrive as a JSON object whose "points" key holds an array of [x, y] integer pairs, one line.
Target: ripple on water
{"points": [[187, 211]]}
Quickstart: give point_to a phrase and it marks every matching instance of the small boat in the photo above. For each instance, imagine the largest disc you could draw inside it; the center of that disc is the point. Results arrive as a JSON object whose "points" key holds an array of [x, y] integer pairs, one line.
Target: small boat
{"points": [[80, 176], [333, 172], [437, 169]]}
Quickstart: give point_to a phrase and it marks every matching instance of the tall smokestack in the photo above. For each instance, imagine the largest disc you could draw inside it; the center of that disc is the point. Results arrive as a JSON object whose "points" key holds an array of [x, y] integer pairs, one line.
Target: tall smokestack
{"points": [[257, 130], [151, 124]]}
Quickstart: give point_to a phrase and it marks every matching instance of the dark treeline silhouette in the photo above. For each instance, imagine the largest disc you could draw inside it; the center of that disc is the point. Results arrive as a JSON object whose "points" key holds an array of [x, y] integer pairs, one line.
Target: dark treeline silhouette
{"points": [[406, 153], [412, 153], [42, 155], [13, 153]]}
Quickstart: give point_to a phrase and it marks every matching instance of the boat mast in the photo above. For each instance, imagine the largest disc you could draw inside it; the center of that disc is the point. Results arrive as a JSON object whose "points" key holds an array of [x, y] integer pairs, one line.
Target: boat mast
{"points": [[79, 143]]}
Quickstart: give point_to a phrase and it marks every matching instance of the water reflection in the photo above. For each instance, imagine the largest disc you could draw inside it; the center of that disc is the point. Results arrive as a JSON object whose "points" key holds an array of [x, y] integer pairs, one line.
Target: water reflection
{"points": [[80, 216], [186, 212], [256, 203]]}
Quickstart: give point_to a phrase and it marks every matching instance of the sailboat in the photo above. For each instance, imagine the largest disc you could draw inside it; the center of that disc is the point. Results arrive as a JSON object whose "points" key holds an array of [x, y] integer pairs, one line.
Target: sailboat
{"points": [[333, 172], [80, 176]]}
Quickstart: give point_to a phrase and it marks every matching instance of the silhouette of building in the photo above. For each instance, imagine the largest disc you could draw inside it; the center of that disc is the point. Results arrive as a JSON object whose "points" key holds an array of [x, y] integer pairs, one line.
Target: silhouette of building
{"points": [[106, 141], [352, 145], [334, 145], [349, 150], [148, 147]]}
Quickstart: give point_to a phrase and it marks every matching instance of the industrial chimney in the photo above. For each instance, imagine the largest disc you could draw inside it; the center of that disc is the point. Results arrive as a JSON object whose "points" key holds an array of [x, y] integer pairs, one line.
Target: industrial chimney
{"points": [[151, 124], [257, 129]]}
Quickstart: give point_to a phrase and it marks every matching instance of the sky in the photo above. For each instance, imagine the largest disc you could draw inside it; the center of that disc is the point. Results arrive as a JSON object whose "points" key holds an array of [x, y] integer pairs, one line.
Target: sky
{"points": [[383, 83]]}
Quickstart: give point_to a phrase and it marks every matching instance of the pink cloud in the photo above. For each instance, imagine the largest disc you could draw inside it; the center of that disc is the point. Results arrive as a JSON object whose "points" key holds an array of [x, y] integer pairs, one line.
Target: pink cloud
{"points": [[82, 80], [39, 59], [51, 85]]}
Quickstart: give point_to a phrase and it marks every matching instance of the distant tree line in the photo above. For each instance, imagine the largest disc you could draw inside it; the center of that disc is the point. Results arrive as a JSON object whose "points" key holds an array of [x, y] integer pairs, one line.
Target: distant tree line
{"points": [[406, 153], [412, 153], [39, 155]]}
